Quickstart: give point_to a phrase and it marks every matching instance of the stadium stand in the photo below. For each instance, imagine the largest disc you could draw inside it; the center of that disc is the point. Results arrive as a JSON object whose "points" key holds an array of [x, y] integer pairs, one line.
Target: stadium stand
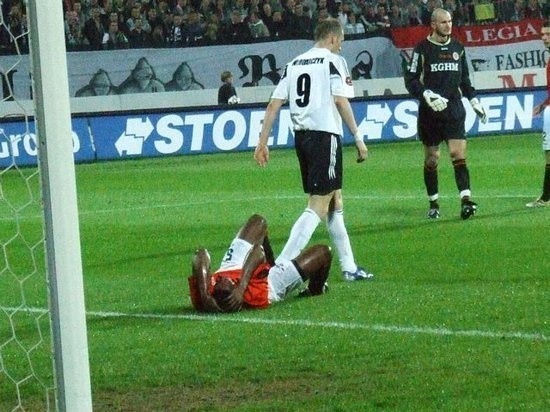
{"points": [[187, 23]]}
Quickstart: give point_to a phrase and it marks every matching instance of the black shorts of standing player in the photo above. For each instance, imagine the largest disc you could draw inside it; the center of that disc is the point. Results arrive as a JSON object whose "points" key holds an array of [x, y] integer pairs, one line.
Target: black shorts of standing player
{"points": [[437, 127], [320, 158]]}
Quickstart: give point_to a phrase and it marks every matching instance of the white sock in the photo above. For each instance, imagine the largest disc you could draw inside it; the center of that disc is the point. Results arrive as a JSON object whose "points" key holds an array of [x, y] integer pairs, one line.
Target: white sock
{"points": [[300, 234], [339, 236]]}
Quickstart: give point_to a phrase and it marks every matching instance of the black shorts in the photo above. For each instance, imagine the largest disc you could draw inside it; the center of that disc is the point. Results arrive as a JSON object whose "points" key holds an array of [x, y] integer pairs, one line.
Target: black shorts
{"points": [[320, 158], [437, 127]]}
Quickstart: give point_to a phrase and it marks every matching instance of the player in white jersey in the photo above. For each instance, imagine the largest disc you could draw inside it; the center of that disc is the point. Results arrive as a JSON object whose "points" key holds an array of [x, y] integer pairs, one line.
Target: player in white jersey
{"points": [[317, 85]]}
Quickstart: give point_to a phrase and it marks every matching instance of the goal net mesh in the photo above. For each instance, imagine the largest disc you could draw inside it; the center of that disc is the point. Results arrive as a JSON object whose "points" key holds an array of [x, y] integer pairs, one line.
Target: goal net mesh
{"points": [[26, 368]]}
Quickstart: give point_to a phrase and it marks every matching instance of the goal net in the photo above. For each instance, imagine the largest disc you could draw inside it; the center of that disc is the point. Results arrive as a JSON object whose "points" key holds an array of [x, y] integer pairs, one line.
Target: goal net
{"points": [[43, 342]]}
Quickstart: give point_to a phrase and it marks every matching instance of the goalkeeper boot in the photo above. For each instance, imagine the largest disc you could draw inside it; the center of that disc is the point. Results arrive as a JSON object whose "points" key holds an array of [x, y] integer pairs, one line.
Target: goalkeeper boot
{"points": [[433, 211], [359, 274], [468, 209]]}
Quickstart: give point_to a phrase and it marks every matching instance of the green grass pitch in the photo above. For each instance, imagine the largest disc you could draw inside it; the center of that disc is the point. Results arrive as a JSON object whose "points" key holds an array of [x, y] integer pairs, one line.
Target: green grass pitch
{"points": [[457, 318]]}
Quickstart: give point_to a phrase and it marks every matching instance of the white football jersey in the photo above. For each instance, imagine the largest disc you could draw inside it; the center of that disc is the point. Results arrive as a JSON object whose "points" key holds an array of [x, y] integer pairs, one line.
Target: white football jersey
{"points": [[309, 83]]}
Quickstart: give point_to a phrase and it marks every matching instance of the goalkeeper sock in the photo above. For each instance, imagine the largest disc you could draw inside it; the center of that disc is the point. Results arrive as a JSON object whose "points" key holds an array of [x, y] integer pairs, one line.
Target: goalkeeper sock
{"points": [[430, 180], [299, 236], [339, 236], [546, 184], [462, 175]]}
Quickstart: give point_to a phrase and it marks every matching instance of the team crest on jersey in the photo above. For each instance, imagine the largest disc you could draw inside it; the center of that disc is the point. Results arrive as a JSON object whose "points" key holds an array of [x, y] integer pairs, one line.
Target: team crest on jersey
{"points": [[348, 81], [455, 56]]}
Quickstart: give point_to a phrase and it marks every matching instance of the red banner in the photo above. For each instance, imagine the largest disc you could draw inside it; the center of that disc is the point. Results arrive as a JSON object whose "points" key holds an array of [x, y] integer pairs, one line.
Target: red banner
{"points": [[474, 36]]}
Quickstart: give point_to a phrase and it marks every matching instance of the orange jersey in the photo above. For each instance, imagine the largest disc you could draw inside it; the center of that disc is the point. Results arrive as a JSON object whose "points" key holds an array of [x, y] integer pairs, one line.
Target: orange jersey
{"points": [[255, 295]]}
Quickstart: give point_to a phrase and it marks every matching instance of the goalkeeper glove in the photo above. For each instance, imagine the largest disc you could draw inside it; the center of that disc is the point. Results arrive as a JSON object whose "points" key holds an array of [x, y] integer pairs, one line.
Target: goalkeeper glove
{"points": [[478, 108], [435, 101]]}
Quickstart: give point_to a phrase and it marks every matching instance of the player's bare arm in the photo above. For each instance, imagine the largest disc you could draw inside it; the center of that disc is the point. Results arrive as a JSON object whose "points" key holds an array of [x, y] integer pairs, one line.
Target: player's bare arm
{"points": [[344, 108], [261, 153], [201, 270], [254, 259]]}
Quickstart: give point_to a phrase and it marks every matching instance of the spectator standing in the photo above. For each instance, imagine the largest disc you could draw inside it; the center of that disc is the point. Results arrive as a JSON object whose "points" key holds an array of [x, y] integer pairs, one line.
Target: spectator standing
{"points": [[205, 9], [382, 18], [114, 38], [138, 38], [288, 12], [414, 16], [182, 7], [341, 13], [116, 17], [533, 10], [506, 10], [163, 9], [396, 18], [105, 11], [258, 29], [135, 14], [236, 31], [223, 12], [194, 30], [74, 39], [176, 31], [88, 5], [353, 27], [15, 31], [368, 18], [278, 29], [426, 9], [94, 30], [240, 6], [310, 8], [303, 25], [321, 4], [266, 14], [158, 38], [212, 30], [77, 8], [153, 18]]}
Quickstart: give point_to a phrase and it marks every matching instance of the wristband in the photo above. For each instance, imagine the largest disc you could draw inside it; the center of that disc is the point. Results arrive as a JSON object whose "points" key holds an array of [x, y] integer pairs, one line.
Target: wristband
{"points": [[357, 136]]}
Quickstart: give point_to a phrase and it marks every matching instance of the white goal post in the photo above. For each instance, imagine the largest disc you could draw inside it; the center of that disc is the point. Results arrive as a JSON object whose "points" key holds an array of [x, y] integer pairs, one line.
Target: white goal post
{"points": [[58, 182]]}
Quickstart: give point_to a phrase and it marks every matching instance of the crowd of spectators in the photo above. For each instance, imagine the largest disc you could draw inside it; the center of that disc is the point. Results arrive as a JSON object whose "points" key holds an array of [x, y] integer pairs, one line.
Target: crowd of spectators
{"points": [[119, 24]]}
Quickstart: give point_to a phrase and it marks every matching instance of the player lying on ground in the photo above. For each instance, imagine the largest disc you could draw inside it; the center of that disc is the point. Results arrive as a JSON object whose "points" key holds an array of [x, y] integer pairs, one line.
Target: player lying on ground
{"points": [[248, 276]]}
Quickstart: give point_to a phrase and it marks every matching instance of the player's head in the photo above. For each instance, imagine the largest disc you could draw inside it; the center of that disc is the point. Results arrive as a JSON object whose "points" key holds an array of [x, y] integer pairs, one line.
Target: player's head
{"points": [[330, 34], [442, 24], [545, 33], [222, 289]]}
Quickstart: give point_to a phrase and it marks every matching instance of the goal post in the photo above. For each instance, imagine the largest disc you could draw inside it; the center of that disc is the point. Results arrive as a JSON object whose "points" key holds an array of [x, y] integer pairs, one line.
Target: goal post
{"points": [[61, 224]]}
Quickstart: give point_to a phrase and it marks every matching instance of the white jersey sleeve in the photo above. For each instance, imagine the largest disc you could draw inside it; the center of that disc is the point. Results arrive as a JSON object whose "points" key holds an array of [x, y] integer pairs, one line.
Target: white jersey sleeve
{"points": [[340, 81], [309, 83]]}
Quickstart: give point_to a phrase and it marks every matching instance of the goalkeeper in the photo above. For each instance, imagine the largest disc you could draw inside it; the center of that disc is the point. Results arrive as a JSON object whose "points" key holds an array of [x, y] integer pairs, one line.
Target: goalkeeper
{"points": [[438, 77], [248, 276]]}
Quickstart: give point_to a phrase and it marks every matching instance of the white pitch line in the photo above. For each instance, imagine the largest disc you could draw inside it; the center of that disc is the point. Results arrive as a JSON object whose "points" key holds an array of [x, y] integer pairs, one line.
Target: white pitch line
{"points": [[178, 205], [411, 330]]}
